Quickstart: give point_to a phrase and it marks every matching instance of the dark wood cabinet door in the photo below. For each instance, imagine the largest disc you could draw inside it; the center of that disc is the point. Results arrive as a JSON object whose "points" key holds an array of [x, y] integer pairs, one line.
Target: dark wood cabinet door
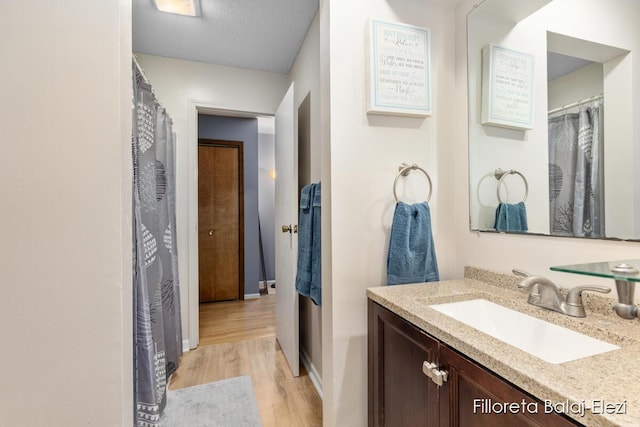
{"points": [[400, 395], [474, 397]]}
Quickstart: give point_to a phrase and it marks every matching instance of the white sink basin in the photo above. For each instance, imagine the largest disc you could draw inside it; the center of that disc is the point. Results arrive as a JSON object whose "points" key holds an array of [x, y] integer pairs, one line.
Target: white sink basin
{"points": [[550, 342]]}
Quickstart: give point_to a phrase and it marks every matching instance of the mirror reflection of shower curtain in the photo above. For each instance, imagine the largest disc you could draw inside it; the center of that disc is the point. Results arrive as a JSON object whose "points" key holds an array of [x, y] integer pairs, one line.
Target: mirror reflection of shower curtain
{"points": [[576, 199]]}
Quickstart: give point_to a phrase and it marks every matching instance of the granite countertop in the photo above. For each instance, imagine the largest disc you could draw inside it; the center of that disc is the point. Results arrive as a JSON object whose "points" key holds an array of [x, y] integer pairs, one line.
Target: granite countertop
{"points": [[612, 377]]}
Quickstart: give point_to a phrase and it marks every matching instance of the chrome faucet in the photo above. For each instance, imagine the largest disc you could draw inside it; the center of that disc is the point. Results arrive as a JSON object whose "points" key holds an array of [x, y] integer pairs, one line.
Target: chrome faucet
{"points": [[546, 294], [625, 307]]}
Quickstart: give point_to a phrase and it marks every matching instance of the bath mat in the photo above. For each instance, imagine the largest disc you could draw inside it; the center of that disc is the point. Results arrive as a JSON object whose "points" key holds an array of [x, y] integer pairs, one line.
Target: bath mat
{"points": [[225, 403]]}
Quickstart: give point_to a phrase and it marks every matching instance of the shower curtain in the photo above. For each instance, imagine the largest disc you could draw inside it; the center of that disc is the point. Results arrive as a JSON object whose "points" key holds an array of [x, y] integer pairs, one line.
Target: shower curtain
{"points": [[157, 328], [576, 196]]}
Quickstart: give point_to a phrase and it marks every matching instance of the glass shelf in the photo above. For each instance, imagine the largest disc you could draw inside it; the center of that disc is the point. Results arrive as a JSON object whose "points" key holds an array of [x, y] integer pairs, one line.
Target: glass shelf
{"points": [[604, 269]]}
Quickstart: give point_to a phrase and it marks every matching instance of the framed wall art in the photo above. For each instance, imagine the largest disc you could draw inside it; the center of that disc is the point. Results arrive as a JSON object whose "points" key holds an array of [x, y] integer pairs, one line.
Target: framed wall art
{"points": [[399, 70], [507, 88]]}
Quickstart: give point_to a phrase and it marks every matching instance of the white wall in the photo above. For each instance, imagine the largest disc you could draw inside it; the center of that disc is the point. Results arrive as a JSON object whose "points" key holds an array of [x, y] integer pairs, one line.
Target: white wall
{"points": [[501, 252], [267, 193], [180, 85], [328, 378], [580, 84], [306, 75], [65, 250], [365, 152]]}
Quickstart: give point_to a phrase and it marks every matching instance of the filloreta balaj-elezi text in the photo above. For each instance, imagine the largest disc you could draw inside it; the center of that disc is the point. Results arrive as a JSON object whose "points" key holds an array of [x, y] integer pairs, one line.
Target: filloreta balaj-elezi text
{"points": [[596, 406]]}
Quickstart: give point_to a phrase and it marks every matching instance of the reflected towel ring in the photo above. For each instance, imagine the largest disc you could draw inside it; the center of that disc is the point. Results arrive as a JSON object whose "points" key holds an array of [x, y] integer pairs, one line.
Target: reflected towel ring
{"points": [[404, 171], [502, 174]]}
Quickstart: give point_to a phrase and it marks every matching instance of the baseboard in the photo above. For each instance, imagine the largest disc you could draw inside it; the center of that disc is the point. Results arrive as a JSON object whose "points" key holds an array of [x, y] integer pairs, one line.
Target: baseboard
{"points": [[269, 282], [313, 373], [185, 346], [251, 296]]}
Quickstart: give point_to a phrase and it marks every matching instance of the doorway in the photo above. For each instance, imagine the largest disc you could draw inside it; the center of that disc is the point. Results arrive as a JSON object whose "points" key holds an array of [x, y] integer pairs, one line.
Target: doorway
{"points": [[220, 220], [229, 344], [210, 123]]}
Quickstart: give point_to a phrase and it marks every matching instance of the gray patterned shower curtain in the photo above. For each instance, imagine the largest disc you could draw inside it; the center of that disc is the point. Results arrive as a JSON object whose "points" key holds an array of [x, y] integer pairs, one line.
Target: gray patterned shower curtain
{"points": [[576, 200], [157, 328]]}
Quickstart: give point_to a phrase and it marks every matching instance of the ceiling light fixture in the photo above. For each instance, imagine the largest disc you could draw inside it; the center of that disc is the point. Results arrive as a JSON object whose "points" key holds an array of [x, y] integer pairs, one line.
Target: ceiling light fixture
{"points": [[179, 7]]}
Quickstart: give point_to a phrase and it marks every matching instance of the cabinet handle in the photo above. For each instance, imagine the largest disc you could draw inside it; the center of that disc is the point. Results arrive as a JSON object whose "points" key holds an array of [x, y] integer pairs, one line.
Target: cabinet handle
{"points": [[427, 368], [438, 376]]}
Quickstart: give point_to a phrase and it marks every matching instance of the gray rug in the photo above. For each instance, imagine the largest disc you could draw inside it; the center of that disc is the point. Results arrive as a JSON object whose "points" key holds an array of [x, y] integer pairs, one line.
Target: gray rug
{"points": [[225, 403]]}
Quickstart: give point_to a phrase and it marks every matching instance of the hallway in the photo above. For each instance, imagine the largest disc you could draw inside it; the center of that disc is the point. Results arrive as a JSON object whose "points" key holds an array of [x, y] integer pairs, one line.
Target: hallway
{"points": [[238, 338]]}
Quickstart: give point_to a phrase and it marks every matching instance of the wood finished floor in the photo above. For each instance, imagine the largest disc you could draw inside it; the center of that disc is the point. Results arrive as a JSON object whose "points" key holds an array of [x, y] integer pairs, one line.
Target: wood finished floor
{"points": [[230, 321], [238, 338]]}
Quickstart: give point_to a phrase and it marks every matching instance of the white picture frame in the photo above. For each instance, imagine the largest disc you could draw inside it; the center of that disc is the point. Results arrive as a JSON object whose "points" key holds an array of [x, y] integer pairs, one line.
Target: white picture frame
{"points": [[507, 88], [399, 69]]}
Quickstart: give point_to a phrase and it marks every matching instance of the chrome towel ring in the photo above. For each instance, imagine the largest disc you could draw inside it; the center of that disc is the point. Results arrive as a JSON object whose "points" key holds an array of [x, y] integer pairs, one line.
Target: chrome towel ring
{"points": [[502, 174], [405, 169]]}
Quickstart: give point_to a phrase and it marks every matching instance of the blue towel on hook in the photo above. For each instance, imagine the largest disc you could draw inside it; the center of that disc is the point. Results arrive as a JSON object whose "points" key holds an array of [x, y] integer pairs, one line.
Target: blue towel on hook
{"points": [[511, 217], [315, 292], [412, 255], [308, 275]]}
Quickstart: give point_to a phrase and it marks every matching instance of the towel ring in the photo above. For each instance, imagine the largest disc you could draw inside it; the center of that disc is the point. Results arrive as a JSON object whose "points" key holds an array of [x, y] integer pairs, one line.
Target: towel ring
{"points": [[404, 171], [502, 174]]}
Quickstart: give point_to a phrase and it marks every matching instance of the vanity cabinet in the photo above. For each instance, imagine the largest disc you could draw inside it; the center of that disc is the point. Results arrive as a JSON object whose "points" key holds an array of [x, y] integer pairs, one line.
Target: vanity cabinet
{"points": [[401, 395]]}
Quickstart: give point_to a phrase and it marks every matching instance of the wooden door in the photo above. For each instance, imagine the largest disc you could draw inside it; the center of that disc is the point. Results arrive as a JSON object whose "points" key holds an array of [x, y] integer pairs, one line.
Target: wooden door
{"points": [[220, 220]]}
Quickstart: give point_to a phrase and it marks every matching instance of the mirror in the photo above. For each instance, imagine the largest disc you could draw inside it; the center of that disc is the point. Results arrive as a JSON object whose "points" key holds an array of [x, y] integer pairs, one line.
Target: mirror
{"points": [[566, 67]]}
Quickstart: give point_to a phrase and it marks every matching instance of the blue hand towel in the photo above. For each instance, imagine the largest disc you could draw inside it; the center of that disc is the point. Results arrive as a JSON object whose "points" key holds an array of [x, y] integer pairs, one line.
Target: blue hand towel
{"points": [[412, 256], [308, 275], [303, 273], [511, 217], [315, 292]]}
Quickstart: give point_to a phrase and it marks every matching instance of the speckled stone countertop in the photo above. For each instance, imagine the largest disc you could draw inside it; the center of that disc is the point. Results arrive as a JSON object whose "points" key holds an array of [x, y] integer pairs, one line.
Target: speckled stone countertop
{"points": [[613, 377]]}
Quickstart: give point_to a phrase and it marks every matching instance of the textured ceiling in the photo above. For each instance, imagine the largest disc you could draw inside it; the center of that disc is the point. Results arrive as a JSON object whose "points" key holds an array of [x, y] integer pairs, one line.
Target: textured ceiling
{"points": [[257, 34]]}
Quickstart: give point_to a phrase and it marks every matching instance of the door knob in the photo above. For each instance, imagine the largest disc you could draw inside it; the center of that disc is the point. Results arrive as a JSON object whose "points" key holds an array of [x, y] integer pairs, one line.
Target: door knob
{"points": [[287, 228], [210, 232]]}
